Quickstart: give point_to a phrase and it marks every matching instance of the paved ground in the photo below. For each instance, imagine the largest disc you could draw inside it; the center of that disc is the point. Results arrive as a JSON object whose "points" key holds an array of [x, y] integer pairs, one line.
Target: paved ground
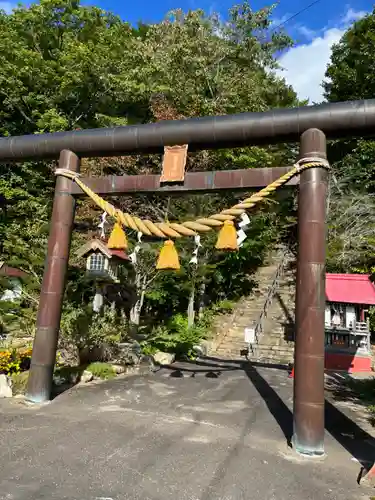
{"points": [[182, 435]]}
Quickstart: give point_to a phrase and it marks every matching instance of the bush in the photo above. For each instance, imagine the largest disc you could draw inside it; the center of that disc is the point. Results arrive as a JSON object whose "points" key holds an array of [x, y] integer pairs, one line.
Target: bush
{"points": [[104, 371], [19, 382], [224, 306], [67, 375], [15, 360], [176, 337], [84, 329]]}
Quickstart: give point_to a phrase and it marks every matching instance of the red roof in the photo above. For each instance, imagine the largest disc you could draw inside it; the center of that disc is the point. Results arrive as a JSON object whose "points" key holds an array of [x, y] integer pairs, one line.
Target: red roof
{"points": [[97, 244], [350, 288], [119, 253], [11, 272]]}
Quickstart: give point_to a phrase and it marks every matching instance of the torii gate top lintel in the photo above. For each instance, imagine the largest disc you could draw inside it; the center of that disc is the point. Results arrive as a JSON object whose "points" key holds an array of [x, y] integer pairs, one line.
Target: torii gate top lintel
{"points": [[343, 119]]}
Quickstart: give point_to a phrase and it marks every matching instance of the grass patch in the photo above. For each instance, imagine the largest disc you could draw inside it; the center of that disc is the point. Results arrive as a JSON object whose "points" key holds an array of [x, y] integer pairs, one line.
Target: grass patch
{"points": [[72, 374], [67, 374], [101, 370], [19, 382]]}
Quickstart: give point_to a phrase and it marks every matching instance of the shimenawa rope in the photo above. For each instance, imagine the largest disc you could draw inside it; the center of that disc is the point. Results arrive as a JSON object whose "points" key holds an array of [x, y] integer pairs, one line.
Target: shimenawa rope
{"points": [[173, 230]]}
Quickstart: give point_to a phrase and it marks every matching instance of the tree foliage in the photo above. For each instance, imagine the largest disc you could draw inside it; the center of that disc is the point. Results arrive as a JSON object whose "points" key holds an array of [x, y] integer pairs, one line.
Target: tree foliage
{"points": [[351, 220], [65, 66], [352, 63], [351, 232]]}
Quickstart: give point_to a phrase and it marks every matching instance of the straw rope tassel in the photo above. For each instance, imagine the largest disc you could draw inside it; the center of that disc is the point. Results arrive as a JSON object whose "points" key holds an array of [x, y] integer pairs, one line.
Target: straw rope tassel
{"points": [[168, 257], [117, 240], [227, 239]]}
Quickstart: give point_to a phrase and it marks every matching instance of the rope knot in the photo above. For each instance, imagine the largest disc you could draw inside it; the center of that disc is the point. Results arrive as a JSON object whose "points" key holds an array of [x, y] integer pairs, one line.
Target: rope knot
{"points": [[310, 162], [65, 172]]}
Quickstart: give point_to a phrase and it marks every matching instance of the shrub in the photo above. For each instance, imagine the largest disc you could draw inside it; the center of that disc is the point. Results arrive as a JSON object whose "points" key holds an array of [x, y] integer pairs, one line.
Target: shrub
{"points": [[88, 330], [15, 360], [175, 336], [224, 306], [19, 382], [104, 371], [67, 375]]}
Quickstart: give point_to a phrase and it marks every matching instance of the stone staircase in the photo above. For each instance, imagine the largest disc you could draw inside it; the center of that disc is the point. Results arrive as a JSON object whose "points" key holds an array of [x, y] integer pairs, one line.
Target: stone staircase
{"points": [[275, 344]]}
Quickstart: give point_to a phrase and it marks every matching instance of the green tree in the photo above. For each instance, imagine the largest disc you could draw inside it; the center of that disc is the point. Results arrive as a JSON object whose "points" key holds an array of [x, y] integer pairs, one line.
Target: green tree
{"points": [[350, 220], [351, 232], [65, 66], [59, 64], [348, 77], [352, 63]]}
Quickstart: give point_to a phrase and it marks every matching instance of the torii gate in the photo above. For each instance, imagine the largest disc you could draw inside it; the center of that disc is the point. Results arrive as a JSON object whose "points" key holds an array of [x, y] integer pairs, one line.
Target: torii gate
{"points": [[309, 124]]}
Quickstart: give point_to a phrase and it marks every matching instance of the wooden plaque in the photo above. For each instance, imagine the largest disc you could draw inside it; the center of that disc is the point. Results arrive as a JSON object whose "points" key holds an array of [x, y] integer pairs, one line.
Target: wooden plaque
{"points": [[174, 162]]}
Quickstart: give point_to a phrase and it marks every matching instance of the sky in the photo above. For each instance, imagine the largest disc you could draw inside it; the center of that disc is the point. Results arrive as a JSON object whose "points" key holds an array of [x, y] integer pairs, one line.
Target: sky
{"points": [[314, 29]]}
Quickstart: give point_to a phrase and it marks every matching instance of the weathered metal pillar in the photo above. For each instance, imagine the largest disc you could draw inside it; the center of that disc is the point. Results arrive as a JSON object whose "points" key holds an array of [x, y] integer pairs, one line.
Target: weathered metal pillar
{"points": [[308, 436], [53, 286]]}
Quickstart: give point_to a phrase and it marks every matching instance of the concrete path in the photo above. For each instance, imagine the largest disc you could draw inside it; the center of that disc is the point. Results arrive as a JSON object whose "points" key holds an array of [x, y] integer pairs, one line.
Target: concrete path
{"points": [[202, 432]]}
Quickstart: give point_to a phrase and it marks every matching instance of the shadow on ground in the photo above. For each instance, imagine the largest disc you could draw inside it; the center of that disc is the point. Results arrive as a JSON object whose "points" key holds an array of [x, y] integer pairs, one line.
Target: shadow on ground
{"points": [[359, 443]]}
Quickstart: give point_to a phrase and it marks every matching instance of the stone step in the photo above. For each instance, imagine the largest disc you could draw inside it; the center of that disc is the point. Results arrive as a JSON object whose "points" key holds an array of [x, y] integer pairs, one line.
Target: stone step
{"points": [[263, 339], [231, 346], [272, 361], [237, 332], [279, 359], [273, 348], [278, 343], [257, 353], [270, 352], [267, 355], [275, 339], [282, 356], [265, 347]]}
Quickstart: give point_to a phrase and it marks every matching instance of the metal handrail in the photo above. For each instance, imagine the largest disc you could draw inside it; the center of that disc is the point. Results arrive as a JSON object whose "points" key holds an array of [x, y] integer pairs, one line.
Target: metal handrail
{"points": [[259, 326]]}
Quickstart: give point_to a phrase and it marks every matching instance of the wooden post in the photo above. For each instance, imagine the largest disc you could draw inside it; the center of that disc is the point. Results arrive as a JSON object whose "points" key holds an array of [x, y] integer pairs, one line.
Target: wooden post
{"points": [[308, 436], [53, 286]]}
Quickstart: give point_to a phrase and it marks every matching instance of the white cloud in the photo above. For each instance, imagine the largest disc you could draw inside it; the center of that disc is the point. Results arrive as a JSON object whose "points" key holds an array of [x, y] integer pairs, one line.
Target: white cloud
{"points": [[352, 15], [7, 6], [305, 31], [305, 65], [278, 21]]}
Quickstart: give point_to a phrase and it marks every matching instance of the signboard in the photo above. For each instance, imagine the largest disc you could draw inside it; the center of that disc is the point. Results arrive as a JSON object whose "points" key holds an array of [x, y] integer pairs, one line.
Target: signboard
{"points": [[250, 335]]}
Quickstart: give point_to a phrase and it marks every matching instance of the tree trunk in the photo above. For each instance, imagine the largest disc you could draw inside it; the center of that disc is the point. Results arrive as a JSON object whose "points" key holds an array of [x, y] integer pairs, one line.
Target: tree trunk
{"points": [[190, 309], [135, 312], [202, 291], [98, 299]]}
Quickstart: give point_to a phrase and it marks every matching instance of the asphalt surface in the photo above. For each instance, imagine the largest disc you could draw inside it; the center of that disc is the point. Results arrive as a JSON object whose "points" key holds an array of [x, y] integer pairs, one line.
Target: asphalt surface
{"points": [[199, 433]]}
